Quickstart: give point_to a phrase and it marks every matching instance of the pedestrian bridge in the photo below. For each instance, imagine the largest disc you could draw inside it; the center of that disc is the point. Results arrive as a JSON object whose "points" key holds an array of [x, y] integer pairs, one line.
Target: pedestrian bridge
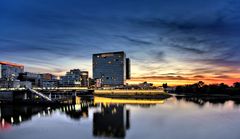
{"points": [[40, 94]]}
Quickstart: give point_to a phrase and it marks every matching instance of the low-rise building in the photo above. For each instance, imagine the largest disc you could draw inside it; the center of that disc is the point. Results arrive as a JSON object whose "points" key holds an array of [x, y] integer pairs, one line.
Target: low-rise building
{"points": [[10, 71], [71, 78], [84, 78], [34, 78], [75, 78]]}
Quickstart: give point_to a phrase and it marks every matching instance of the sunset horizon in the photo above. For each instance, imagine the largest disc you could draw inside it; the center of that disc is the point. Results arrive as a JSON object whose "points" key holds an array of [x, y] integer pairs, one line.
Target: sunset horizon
{"points": [[119, 69], [164, 44]]}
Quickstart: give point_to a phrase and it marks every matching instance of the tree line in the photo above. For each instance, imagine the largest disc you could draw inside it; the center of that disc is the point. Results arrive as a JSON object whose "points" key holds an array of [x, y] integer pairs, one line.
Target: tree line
{"points": [[202, 88]]}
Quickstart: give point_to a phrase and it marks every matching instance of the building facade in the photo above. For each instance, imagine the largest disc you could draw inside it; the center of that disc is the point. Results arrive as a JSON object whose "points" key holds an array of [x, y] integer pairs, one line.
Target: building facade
{"points": [[34, 78], [84, 78], [71, 78], [74, 78], [48, 80], [110, 68], [10, 71]]}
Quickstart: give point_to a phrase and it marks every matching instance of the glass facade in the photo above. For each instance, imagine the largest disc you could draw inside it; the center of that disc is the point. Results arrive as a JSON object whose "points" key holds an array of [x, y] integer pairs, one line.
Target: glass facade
{"points": [[110, 68], [10, 71]]}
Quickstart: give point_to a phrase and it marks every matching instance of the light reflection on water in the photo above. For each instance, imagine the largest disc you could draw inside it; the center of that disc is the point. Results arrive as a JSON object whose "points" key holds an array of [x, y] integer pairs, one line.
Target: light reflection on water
{"points": [[116, 118]]}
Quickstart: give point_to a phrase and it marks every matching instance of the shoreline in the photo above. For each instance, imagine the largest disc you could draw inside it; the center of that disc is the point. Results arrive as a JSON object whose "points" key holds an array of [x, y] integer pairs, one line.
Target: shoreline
{"points": [[209, 96], [160, 96]]}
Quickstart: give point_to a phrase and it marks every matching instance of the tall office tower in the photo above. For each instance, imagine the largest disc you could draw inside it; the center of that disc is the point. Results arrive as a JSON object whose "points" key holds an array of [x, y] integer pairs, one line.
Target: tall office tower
{"points": [[10, 71], [110, 68]]}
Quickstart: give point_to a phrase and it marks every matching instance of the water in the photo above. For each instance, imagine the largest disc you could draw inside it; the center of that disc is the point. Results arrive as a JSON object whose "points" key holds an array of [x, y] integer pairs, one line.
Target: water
{"points": [[106, 118]]}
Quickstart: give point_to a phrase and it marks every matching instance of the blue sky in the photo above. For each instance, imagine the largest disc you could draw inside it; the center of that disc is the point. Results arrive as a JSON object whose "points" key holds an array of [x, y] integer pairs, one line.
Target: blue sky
{"points": [[167, 40]]}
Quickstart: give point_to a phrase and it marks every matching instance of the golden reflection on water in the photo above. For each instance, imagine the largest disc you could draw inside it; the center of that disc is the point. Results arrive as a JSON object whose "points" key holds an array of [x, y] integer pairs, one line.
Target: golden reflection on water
{"points": [[103, 100]]}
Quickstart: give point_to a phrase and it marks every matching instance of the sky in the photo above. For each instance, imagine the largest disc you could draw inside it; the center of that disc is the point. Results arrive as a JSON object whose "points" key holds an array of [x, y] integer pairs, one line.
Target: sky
{"points": [[173, 41]]}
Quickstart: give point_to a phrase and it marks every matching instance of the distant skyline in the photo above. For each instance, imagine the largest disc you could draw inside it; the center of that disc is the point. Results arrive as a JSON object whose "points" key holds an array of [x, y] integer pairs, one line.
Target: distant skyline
{"points": [[174, 41]]}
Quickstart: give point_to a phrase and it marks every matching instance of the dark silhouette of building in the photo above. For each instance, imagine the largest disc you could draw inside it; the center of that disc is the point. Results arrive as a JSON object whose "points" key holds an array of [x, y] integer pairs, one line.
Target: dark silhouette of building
{"points": [[128, 68]]}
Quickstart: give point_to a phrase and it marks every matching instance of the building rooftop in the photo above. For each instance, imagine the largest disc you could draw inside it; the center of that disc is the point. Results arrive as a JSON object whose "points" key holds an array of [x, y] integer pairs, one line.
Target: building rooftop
{"points": [[11, 64], [118, 52]]}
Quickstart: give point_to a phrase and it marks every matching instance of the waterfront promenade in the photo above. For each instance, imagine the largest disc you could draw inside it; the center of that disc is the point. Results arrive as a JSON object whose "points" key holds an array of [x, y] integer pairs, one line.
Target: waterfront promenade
{"points": [[59, 95]]}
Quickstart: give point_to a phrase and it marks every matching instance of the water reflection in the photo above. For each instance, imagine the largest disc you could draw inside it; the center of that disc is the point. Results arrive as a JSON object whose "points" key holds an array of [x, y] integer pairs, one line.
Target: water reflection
{"points": [[202, 101], [79, 110], [14, 115], [110, 118], [112, 121]]}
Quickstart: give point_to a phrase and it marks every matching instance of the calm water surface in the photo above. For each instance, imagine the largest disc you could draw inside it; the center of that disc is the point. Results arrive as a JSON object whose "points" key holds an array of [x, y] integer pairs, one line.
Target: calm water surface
{"points": [[131, 119]]}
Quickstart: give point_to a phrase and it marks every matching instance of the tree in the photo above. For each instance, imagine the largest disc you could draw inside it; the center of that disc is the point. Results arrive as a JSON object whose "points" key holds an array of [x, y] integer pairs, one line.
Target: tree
{"points": [[200, 84], [165, 85], [236, 85]]}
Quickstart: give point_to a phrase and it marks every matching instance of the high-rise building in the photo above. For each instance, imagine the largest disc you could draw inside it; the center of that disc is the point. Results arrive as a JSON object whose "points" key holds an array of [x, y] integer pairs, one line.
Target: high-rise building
{"points": [[110, 68], [10, 71]]}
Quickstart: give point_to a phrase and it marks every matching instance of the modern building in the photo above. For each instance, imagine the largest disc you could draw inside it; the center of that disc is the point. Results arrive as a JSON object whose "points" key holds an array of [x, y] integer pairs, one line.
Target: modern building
{"points": [[111, 68], [48, 80], [84, 78], [71, 78], [75, 78], [34, 78], [48, 77], [10, 71]]}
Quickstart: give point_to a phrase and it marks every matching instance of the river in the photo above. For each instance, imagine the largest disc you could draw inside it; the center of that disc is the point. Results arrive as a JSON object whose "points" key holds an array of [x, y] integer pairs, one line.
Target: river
{"points": [[173, 118]]}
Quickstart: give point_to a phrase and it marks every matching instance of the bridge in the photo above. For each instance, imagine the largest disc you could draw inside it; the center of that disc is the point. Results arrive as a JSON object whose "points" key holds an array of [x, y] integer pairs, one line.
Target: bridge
{"points": [[43, 95], [40, 94]]}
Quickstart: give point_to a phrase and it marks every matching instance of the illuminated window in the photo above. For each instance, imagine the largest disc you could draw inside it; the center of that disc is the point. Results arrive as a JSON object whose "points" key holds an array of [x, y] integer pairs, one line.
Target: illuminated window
{"points": [[109, 62]]}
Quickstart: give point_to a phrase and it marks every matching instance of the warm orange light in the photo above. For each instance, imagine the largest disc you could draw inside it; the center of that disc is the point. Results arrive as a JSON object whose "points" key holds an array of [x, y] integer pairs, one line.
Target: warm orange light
{"points": [[105, 101], [11, 64]]}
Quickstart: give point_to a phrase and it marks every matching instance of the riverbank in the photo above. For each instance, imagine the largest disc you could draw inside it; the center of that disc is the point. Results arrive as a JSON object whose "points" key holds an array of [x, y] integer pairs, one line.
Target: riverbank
{"points": [[134, 94], [209, 96]]}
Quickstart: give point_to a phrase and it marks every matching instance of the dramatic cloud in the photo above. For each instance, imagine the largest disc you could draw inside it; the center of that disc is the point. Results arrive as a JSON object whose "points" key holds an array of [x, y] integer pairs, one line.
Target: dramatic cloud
{"points": [[182, 41]]}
